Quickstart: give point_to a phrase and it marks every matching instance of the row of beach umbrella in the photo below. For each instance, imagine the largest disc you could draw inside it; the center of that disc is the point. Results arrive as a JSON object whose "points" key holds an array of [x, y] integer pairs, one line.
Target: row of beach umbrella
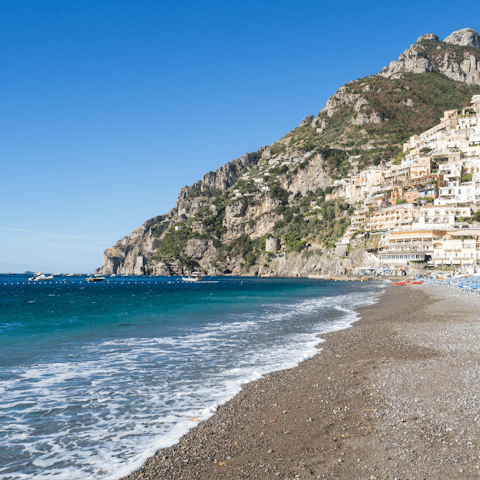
{"points": [[462, 284]]}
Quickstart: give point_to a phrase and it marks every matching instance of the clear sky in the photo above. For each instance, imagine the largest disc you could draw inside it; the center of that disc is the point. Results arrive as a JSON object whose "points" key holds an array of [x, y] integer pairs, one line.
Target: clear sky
{"points": [[109, 108]]}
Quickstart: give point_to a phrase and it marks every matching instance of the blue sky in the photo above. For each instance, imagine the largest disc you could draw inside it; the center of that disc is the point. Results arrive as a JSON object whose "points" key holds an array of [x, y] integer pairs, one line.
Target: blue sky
{"points": [[109, 108]]}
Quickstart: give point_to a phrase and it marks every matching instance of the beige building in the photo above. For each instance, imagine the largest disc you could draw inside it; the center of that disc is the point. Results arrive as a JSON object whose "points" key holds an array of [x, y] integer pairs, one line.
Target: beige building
{"points": [[457, 248], [391, 217], [405, 246], [422, 167]]}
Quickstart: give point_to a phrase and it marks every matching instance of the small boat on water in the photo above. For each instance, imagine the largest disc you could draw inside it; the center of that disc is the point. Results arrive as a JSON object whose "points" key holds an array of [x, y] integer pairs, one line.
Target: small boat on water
{"points": [[196, 277], [408, 282], [39, 277], [95, 279]]}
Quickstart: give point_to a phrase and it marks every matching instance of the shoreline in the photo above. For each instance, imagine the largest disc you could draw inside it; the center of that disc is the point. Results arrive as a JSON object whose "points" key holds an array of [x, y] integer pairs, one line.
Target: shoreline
{"points": [[320, 343], [351, 410]]}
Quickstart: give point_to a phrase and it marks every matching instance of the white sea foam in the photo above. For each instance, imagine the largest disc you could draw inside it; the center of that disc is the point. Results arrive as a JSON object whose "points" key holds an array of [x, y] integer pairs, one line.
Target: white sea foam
{"points": [[123, 400]]}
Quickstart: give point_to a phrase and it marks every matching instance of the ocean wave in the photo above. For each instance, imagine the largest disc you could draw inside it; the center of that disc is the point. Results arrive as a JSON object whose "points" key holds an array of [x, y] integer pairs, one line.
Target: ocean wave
{"points": [[102, 413]]}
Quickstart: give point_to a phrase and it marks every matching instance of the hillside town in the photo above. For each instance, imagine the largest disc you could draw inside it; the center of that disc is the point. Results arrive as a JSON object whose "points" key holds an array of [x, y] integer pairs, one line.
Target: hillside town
{"points": [[302, 208], [420, 207]]}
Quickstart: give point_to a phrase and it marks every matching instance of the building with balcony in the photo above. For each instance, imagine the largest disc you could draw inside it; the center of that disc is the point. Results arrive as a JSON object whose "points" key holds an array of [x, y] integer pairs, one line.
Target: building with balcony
{"points": [[391, 217], [404, 246], [440, 214], [458, 248]]}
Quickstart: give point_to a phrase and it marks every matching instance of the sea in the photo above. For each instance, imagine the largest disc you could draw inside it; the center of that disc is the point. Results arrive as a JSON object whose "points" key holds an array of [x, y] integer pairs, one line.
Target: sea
{"points": [[97, 376]]}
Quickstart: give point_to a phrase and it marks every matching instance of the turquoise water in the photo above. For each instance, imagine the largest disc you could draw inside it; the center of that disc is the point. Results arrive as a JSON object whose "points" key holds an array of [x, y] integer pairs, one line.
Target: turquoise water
{"points": [[95, 377]]}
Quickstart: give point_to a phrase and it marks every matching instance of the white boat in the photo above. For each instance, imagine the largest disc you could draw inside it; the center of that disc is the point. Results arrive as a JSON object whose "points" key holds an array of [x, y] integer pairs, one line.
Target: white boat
{"points": [[39, 277], [194, 277]]}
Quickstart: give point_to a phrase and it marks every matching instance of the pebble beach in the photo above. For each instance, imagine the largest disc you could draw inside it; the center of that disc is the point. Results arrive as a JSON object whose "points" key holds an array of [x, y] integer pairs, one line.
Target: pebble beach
{"points": [[396, 396]]}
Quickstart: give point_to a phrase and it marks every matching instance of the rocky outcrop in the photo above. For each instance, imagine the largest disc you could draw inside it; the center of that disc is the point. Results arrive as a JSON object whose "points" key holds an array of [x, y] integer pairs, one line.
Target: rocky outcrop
{"points": [[429, 54], [341, 96], [411, 61], [237, 209], [466, 37], [313, 176], [427, 36], [226, 176], [254, 219], [363, 118], [467, 71], [307, 120]]}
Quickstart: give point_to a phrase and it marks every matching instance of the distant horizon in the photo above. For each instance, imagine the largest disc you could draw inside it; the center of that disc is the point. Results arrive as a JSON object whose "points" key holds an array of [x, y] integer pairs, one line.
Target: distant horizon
{"points": [[109, 110], [46, 270]]}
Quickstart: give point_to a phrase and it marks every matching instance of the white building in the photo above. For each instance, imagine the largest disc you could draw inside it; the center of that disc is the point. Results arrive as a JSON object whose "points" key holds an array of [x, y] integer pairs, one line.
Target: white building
{"points": [[437, 214]]}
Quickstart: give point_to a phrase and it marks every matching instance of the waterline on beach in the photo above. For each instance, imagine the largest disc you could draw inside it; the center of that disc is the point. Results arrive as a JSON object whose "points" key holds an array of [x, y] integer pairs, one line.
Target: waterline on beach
{"points": [[110, 402]]}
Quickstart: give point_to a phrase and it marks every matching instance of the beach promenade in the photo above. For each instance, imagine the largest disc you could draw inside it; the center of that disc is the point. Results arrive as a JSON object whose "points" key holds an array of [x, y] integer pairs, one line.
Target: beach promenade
{"points": [[395, 396]]}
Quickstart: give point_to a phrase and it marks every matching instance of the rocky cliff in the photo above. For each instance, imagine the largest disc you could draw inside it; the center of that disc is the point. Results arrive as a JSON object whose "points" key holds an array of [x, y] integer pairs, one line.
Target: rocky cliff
{"points": [[457, 57], [220, 224]]}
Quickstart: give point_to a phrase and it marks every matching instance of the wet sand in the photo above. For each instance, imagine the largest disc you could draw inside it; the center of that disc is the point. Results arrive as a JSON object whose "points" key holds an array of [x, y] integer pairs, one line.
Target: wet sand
{"points": [[395, 396]]}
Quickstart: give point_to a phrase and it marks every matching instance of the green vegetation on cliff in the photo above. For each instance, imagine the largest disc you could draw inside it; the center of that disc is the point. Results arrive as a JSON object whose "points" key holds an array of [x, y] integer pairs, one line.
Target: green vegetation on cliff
{"points": [[173, 244], [399, 108]]}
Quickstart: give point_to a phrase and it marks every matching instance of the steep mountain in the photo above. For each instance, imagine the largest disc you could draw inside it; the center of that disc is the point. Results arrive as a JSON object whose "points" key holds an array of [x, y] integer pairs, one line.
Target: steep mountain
{"points": [[224, 222]]}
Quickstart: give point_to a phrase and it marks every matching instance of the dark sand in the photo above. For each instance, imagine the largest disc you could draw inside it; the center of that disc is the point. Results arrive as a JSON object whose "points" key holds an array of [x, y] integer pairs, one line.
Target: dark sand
{"points": [[339, 415]]}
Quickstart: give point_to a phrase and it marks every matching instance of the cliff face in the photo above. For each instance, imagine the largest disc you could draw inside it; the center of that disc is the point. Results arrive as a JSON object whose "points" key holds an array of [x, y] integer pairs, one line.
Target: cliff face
{"points": [[457, 57], [133, 253], [220, 224], [250, 215]]}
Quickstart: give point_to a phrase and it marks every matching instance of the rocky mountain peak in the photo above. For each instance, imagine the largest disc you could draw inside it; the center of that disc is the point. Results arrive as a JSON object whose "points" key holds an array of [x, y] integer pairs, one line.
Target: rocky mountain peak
{"points": [[457, 57], [428, 36], [466, 37]]}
